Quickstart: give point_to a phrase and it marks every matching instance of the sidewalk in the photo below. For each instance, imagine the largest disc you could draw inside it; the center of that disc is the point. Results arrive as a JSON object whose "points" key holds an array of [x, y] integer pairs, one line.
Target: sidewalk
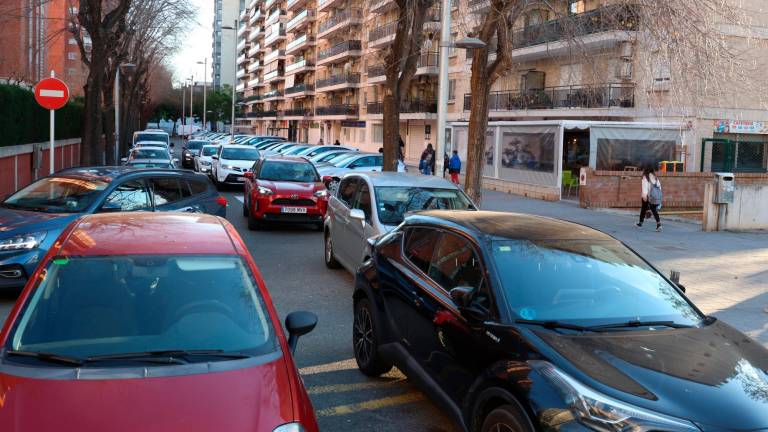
{"points": [[725, 274]]}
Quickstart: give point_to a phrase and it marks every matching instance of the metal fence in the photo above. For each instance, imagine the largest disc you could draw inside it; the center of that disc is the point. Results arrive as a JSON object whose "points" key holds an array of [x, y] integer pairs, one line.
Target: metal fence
{"points": [[579, 96]]}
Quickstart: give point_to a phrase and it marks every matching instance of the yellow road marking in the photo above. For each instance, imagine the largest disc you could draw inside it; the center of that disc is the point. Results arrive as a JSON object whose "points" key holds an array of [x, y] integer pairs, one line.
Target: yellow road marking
{"points": [[329, 367], [373, 404], [340, 388]]}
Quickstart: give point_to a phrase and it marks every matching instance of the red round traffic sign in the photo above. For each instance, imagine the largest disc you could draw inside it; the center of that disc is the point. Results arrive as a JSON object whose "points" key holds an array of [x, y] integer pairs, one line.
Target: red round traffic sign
{"points": [[51, 93]]}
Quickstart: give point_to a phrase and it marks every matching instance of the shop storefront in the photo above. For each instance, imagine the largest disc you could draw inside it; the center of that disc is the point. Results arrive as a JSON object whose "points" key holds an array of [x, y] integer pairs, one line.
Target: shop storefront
{"points": [[736, 146]]}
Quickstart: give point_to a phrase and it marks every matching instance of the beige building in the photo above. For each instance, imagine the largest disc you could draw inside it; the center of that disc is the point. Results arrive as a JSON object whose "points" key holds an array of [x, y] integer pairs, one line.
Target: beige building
{"points": [[586, 89]]}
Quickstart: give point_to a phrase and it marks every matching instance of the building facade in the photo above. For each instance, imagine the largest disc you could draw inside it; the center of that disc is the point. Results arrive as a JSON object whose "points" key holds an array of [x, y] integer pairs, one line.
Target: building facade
{"points": [[224, 41], [584, 91]]}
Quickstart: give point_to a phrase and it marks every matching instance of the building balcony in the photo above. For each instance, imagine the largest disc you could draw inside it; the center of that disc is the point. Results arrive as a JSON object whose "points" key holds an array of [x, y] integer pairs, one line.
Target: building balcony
{"points": [[429, 64], [254, 50], [338, 82], [340, 52], [297, 113], [299, 43], [605, 97], [254, 66], [256, 82], [253, 98], [300, 20], [377, 73], [409, 109], [299, 66], [300, 90], [243, 29], [268, 114], [252, 4], [274, 55], [294, 5], [256, 16], [241, 59], [240, 73], [272, 95], [240, 87], [274, 36], [594, 30], [382, 36], [274, 75], [268, 4], [241, 44], [254, 34], [334, 112], [243, 15], [278, 15], [382, 6], [323, 5], [339, 21]]}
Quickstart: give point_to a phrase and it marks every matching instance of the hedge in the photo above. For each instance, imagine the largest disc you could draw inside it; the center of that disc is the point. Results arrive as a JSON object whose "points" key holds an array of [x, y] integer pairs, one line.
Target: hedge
{"points": [[23, 121]]}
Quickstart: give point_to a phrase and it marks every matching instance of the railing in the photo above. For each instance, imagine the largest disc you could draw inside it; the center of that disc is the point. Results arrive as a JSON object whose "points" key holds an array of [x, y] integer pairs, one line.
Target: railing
{"points": [[299, 88], [577, 96], [240, 87], [254, 50], [340, 110], [268, 3], [322, 2], [252, 3], [254, 34], [272, 94], [241, 45], [240, 58], [268, 113], [273, 35], [298, 65], [379, 4], [256, 97], [273, 55], [242, 29], [298, 112], [275, 15], [353, 78], [388, 29], [376, 70], [256, 16], [351, 45], [299, 41], [273, 74], [431, 59], [240, 73], [595, 21], [254, 65], [344, 15], [298, 17], [291, 3], [407, 106], [253, 82]]}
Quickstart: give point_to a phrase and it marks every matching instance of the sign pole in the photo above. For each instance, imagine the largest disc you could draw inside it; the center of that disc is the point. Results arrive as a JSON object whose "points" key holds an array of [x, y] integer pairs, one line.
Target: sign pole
{"points": [[53, 128], [52, 94]]}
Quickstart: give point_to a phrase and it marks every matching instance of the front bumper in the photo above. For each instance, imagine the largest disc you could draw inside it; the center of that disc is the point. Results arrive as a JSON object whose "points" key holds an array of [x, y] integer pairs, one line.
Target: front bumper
{"points": [[15, 268], [270, 208]]}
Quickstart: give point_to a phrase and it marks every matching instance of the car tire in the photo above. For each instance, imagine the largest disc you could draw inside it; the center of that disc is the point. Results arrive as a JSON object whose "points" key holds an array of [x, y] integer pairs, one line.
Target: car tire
{"points": [[365, 341], [505, 418], [330, 259], [245, 205]]}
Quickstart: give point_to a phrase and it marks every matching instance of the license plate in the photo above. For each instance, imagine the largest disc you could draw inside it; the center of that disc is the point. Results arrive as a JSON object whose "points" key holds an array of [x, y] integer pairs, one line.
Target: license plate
{"points": [[293, 209], [240, 178]]}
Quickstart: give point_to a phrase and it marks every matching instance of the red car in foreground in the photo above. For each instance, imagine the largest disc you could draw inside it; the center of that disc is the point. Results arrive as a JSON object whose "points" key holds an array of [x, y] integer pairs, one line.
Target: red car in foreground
{"points": [[284, 189], [150, 322]]}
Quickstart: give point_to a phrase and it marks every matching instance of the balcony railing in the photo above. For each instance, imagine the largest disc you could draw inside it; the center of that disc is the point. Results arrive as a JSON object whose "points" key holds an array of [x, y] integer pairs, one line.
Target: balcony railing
{"points": [[273, 74], [291, 3], [252, 98], [268, 4], [353, 78], [383, 31], [298, 41], [376, 70], [256, 15], [407, 106], [254, 50], [298, 65], [298, 112], [273, 55], [351, 45], [272, 94], [577, 96], [254, 65], [273, 34], [304, 14], [599, 20], [337, 110], [241, 44], [268, 113], [253, 82], [429, 59], [299, 88], [275, 15], [344, 15]]}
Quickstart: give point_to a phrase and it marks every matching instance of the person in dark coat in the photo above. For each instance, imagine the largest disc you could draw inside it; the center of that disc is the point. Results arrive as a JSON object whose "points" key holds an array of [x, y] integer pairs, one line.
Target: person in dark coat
{"points": [[427, 162], [454, 167]]}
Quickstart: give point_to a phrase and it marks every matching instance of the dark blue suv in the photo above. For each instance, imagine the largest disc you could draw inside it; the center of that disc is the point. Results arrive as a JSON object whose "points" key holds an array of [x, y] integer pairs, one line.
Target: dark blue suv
{"points": [[32, 218]]}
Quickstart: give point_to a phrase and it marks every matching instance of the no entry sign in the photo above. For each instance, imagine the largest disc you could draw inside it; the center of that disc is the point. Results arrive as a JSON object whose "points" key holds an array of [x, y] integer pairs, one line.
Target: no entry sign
{"points": [[51, 93]]}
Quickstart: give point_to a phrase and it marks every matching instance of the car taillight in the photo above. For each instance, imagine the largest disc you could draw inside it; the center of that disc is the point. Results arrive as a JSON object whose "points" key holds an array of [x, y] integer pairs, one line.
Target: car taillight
{"points": [[220, 200]]}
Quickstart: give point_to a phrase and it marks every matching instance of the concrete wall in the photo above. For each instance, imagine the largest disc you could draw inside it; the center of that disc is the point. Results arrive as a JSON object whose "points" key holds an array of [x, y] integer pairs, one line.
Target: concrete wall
{"points": [[17, 163], [749, 210]]}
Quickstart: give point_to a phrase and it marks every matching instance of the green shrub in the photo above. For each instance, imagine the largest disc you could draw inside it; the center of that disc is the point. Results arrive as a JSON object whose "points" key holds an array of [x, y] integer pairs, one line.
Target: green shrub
{"points": [[23, 121]]}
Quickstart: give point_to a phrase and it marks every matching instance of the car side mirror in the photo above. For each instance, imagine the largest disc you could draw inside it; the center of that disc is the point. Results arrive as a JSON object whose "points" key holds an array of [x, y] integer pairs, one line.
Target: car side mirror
{"points": [[358, 215], [462, 296], [248, 175], [110, 207], [123, 160], [298, 324], [215, 157]]}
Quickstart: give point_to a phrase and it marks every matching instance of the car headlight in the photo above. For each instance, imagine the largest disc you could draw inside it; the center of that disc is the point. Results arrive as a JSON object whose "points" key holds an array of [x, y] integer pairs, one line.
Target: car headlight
{"points": [[603, 413], [22, 242], [229, 167], [289, 427], [322, 193], [265, 191]]}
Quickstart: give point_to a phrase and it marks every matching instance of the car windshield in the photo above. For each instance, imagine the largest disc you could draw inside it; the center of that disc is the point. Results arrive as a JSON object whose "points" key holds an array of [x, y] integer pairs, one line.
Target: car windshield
{"points": [[151, 144], [57, 195], [106, 305], [196, 145], [248, 154], [341, 159], [152, 137], [150, 165], [295, 150], [323, 157], [392, 203], [147, 153], [288, 172], [209, 150], [589, 282]]}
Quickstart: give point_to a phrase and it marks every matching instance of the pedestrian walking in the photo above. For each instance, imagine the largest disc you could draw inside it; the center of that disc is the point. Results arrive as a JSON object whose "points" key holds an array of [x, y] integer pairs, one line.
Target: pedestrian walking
{"points": [[401, 149], [337, 143], [454, 167], [651, 197], [427, 161], [446, 162]]}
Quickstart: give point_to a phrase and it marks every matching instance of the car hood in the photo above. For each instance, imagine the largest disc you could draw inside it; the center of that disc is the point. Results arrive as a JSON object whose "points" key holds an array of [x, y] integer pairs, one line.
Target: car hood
{"points": [[13, 222], [251, 399], [723, 370], [238, 163], [290, 188]]}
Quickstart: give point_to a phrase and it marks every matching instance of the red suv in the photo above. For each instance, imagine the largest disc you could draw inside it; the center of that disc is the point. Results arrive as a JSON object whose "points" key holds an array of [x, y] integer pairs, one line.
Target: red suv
{"points": [[150, 322], [284, 189]]}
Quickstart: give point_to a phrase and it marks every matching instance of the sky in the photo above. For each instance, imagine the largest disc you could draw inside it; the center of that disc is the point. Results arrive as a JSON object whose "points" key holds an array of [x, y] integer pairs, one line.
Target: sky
{"points": [[196, 44]]}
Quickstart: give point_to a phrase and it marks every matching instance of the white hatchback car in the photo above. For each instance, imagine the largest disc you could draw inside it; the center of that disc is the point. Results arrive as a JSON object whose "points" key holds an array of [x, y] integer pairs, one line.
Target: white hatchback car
{"points": [[231, 162], [204, 159]]}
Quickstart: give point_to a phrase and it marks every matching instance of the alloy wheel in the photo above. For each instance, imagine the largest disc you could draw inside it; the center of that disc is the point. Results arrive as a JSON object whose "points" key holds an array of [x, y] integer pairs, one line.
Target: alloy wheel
{"points": [[363, 336]]}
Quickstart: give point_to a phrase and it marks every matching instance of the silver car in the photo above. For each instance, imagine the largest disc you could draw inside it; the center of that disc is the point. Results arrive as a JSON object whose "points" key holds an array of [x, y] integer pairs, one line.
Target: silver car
{"points": [[369, 204]]}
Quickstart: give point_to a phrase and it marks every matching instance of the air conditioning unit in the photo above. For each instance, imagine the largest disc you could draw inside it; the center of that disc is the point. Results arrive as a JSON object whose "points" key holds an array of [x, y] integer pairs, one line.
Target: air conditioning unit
{"points": [[624, 70], [626, 50]]}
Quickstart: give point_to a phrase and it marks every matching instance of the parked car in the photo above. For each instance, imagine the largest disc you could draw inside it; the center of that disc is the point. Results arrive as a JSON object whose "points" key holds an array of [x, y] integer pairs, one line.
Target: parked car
{"points": [[320, 158], [362, 162], [515, 322], [284, 189], [316, 150], [368, 205], [128, 333], [190, 152], [153, 135], [149, 154], [149, 163], [32, 218], [280, 148], [296, 150], [204, 159], [263, 138], [231, 162]]}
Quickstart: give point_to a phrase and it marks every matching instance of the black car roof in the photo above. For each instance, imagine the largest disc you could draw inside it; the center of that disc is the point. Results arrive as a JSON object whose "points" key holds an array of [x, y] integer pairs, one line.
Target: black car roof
{"points": [[514, 226], [110, 173]]}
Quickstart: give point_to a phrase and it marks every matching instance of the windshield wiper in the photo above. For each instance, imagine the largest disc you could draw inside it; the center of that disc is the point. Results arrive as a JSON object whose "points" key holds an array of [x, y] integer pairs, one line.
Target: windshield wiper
{"points": [[48, 357], [556, 325], [169, 354], [637, 323]]}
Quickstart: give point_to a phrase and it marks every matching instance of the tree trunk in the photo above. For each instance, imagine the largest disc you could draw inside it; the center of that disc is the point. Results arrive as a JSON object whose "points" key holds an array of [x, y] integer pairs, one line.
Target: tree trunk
{"points": [[478, 125], [91, 149], [391, 120]]}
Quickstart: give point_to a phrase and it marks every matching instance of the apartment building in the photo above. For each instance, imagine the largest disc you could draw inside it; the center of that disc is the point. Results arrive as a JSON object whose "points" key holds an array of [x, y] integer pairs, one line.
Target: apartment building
{"points": [[35, 38], [584, 90], [223, 42]]}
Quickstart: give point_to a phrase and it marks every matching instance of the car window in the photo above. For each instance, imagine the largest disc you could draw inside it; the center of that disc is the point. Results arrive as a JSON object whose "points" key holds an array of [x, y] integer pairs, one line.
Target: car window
{"points": [[420, 246], [363, 201], [209, 150], [166, 190], [455, 264], [347, 190], [129, 196], [393, 202], [57, 195], [239, 153], [149, 153], [368, 161], [198, 187]]}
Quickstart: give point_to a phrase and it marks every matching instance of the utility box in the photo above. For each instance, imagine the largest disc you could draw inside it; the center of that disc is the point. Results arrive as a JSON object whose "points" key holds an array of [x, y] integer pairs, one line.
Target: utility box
{"points": [[724, 183]]}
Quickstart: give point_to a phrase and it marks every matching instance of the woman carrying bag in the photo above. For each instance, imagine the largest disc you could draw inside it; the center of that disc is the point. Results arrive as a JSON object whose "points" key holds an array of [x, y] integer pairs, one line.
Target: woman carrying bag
{"points": [[651, 196]]}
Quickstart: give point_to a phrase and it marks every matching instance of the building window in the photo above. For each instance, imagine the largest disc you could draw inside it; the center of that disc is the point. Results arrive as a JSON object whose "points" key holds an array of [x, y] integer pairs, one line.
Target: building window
{"points": [[72, 56], [452, 51], [576, 7], [452, 90], [661, 75], [378, 133]]}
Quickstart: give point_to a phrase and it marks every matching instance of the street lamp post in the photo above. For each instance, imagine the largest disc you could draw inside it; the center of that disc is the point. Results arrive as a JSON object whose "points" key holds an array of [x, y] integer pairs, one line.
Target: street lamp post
{"points": [[205, 90], [183, 104], [117, 107], [191, 106], [234, 82]]}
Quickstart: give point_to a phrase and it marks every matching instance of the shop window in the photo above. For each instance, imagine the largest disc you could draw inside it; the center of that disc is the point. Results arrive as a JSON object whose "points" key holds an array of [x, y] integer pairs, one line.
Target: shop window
{"points": [[527, 151]]}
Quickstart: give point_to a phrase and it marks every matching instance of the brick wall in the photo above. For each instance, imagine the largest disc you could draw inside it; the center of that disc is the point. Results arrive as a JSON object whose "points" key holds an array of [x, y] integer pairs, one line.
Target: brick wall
{"points": [[17, 166], [622, 189]]}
